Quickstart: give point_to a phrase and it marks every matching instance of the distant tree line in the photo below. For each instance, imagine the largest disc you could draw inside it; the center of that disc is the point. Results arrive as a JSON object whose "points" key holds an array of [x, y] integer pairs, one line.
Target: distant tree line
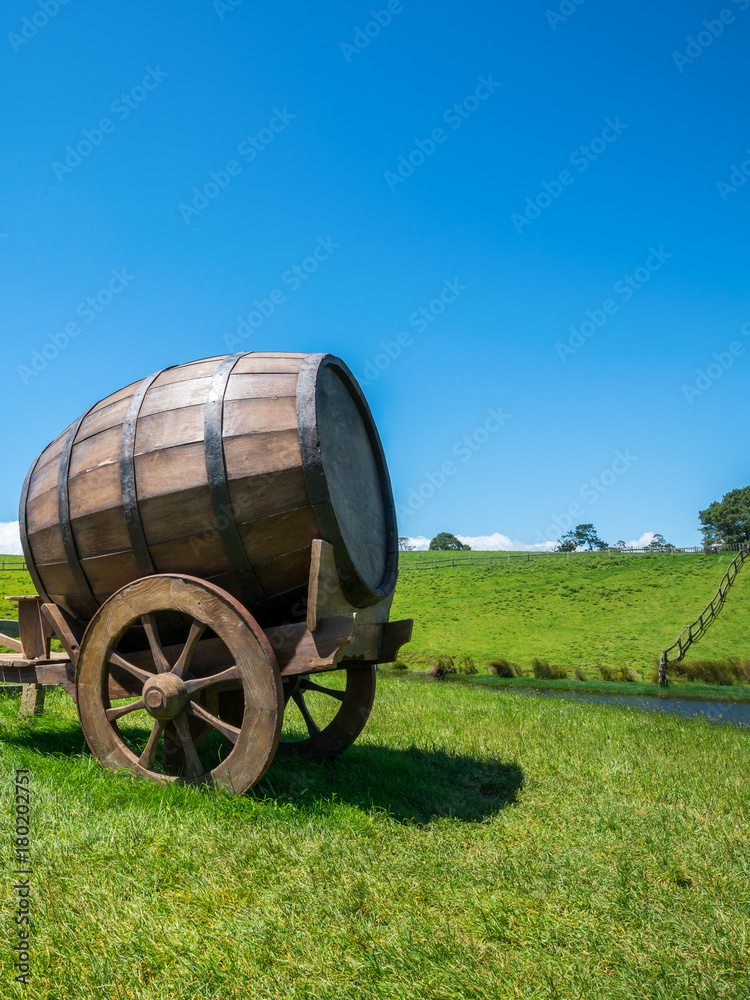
{"points": [[724, 522], [586, 536]]}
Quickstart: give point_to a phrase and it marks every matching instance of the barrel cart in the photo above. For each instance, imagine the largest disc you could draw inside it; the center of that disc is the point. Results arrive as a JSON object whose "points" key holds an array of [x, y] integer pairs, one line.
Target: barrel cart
{"points": [[205, 543]]}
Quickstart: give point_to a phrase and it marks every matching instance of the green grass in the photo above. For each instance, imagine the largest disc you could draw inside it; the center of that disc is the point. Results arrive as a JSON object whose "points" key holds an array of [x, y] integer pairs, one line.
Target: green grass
{"points": [[13, 583], [710, 692], [472, 844], [616, 610]]}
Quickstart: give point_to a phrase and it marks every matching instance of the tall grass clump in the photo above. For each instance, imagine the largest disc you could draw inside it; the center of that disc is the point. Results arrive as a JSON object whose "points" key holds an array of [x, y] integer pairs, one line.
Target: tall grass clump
{"points": [[503, 668], [465, 664], [617, 673], [441, 667], [544, 670], [726, 672]]}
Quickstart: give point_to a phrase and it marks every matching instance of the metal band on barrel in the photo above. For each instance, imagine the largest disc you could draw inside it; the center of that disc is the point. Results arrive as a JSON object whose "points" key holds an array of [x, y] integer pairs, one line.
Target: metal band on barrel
{"points": [[216, 470], [127, 479], [63, 506], [25, 544]]}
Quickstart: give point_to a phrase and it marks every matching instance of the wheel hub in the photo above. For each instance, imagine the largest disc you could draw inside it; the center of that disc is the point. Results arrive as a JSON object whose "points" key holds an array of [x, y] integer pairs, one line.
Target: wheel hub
{"points": [[165, 696]]}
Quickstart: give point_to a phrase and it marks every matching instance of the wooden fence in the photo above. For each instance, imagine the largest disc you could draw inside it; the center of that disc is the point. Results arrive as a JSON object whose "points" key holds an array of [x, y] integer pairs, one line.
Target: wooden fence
{"points": [[17, 566], [474, 559], [696, 629]]}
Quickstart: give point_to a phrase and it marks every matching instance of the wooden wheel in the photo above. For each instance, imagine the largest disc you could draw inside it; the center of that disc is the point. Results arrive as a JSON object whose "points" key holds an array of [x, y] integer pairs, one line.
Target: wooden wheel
{"points": [[143, 649], [325, 713]]}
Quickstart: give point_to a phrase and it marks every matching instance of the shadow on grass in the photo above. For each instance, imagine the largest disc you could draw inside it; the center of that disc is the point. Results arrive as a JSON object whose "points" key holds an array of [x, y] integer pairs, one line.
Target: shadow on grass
{"points": [[412, 785], [64, 739]]}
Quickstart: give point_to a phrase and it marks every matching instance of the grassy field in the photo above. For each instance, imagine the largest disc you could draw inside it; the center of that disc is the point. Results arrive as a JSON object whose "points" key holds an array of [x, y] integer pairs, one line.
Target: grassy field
{"points": [[14, 583], [473, 843], [578, 612], [616, 610]]}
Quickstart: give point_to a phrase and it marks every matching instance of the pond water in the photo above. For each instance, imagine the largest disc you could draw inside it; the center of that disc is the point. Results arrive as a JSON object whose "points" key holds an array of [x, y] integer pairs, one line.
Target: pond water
{"points": [[734, 713]]}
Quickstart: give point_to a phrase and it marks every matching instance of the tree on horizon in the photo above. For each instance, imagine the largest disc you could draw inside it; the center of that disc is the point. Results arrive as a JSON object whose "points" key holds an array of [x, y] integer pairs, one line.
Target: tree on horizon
{"points": [[445, 542]]}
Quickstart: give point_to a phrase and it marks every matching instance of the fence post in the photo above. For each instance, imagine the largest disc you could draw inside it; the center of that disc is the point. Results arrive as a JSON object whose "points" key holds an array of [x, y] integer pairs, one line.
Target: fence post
{"points": [[663, 669]]}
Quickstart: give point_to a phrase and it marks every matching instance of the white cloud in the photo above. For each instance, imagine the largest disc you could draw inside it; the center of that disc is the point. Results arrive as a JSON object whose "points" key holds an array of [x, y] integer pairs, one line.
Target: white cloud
{"points": [[643, 542], [10, 539], [496, 542]]}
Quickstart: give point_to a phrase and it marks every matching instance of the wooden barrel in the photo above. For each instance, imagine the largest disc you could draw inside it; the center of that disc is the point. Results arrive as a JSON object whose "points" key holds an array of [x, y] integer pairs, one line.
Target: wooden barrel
{"points": [[225, 468]]}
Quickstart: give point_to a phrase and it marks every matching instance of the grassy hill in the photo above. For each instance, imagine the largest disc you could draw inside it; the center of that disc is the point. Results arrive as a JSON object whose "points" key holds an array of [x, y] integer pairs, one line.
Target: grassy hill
{"points": [[616, 610], [590, 609]]}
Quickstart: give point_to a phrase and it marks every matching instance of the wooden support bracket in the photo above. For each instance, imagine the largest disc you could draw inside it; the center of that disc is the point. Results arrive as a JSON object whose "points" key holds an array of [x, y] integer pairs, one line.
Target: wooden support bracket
{"points": [[300, 651], [10, 643], [325, 598], [376, 640], [34, 629], [35, 634], [66, 628]]}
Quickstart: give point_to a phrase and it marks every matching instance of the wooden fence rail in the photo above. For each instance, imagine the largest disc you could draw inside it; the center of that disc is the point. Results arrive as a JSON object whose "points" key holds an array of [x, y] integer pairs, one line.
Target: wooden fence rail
{"points": [[505, 557], [17, 566], [696, 629]]}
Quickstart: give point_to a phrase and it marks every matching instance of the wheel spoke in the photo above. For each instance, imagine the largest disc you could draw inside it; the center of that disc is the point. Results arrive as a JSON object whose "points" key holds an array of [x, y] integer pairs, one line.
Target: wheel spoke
{"points": [[231, 732], [196, 631], [119, 661], [309, 721], [307, 685], [149, 751], [174, 757], [225, 677], [120, 710], [152, 634], [193, 764]]}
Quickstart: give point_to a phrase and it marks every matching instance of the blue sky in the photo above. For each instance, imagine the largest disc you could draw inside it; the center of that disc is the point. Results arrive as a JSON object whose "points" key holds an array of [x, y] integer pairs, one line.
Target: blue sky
{"points": [[524, 227]]}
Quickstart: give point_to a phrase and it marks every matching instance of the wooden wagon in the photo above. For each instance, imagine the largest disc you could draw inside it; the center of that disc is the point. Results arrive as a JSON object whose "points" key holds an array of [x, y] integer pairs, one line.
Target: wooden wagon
{"points": [[204, 544]]}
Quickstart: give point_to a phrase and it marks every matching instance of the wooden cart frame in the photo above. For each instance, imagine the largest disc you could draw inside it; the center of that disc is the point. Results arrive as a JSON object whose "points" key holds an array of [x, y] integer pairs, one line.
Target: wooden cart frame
{"points": [[225, 675]]}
